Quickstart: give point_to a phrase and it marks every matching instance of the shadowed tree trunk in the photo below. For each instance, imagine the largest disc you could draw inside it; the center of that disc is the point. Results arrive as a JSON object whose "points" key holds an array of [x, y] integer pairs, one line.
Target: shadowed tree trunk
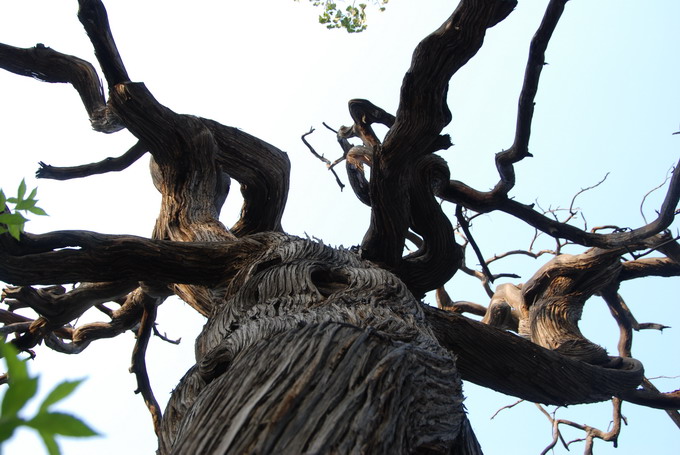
{"points": [[307, 348]]}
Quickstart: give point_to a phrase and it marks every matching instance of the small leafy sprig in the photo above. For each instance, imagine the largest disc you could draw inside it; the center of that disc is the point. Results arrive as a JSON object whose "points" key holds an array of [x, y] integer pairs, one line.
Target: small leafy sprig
{"points": [[48, 423], [10, 219], [352, 18]]}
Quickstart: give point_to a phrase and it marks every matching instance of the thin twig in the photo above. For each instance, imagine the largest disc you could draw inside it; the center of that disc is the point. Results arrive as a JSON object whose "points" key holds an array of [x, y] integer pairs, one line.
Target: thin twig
{"points": [[642, 203], [466, 229], [583, 190], [506, 407], [164, 337], [329, 165]]}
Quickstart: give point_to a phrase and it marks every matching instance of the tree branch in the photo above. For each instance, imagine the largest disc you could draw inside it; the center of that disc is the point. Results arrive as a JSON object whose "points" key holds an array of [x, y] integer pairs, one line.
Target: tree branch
{"points": [[421, 116], [138, 367], [48, 65], [81, 256], [524, 369], [120, 163]]}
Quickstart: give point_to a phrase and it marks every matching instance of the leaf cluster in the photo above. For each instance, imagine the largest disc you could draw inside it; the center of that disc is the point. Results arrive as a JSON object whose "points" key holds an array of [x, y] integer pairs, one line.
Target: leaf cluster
{"points": [[48, 423], [10, 219], [352, 18]]}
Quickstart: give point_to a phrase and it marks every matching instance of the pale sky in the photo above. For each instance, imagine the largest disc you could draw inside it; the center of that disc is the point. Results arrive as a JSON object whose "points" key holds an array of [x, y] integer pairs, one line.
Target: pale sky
{"points": [[609, 101]]}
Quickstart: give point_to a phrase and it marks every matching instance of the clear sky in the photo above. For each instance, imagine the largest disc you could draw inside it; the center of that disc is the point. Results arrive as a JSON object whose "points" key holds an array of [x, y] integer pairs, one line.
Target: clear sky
{"points": [[609, 101]]}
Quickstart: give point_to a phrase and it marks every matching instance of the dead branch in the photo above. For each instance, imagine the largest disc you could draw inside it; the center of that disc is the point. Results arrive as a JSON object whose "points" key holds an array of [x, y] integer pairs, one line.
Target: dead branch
{"points": [[555, 379], [117, 164], [510, 406], [138, 367], [321, 157]]}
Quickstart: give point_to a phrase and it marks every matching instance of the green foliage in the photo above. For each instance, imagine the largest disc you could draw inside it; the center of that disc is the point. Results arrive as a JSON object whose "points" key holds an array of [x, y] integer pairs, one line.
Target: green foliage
{"points": [[352, 18], [47, 423], [10, 220]]}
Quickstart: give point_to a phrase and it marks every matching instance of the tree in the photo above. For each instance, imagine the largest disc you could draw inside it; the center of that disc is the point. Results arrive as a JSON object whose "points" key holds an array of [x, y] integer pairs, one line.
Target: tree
{"points": [[326, 281]]}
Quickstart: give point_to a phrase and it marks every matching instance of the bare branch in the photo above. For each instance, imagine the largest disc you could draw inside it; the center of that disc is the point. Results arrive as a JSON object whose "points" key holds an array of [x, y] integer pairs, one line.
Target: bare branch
{"points": [[120, 163], [81, 256], [138, 367], [644, 198], [525, 110], [554, 379], [510, 406], [48, 65], [463, 223], [321, 157], [583, 190]]}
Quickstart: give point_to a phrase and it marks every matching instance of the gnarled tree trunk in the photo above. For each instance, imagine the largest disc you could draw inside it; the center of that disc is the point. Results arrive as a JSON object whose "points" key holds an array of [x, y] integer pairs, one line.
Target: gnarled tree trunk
{"points": [[311, 349]]}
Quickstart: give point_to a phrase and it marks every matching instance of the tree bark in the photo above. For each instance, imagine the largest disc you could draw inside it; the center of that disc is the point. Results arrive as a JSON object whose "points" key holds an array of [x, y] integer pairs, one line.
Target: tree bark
{"points": [[317, 351]]}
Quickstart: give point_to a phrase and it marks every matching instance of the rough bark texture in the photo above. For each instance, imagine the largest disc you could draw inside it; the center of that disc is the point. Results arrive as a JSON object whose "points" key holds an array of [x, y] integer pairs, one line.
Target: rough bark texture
{"points": [[321, 352], [307, 348]]}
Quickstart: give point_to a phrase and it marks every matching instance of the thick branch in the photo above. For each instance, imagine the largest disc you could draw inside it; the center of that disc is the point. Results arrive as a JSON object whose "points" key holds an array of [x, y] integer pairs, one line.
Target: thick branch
{"points": [[81, 256], [48, 65], [525, 110], [439, 256], [421, 116], [524, 369], [95, 20], [644, 267], [555, 296]]}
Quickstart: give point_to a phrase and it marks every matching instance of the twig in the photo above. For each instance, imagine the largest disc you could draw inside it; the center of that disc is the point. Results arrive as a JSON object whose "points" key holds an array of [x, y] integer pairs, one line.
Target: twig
{"points": [[583, 190], [642, 203], [466, 229], [520, 252], [164, 336], [506, 407], [329, 165]]}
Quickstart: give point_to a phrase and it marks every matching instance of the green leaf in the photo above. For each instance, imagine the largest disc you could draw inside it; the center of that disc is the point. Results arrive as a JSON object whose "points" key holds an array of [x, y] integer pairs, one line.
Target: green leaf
{"points": [[50, 443], [12, 219], [33, 194], [15, 231], [17, 395], [3, 200], [37, 211], [60, 392], [22, 190], [26, 204], [16, 368], [7, 427], [60, 423]]}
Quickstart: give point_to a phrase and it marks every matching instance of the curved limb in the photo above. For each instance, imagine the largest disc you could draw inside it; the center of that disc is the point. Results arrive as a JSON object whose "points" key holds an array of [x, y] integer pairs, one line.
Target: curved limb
{"points": [[439, 256], [553, 379], [555, 295], [420, 118], [59, 307], [119, 163], [48, 65]]}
